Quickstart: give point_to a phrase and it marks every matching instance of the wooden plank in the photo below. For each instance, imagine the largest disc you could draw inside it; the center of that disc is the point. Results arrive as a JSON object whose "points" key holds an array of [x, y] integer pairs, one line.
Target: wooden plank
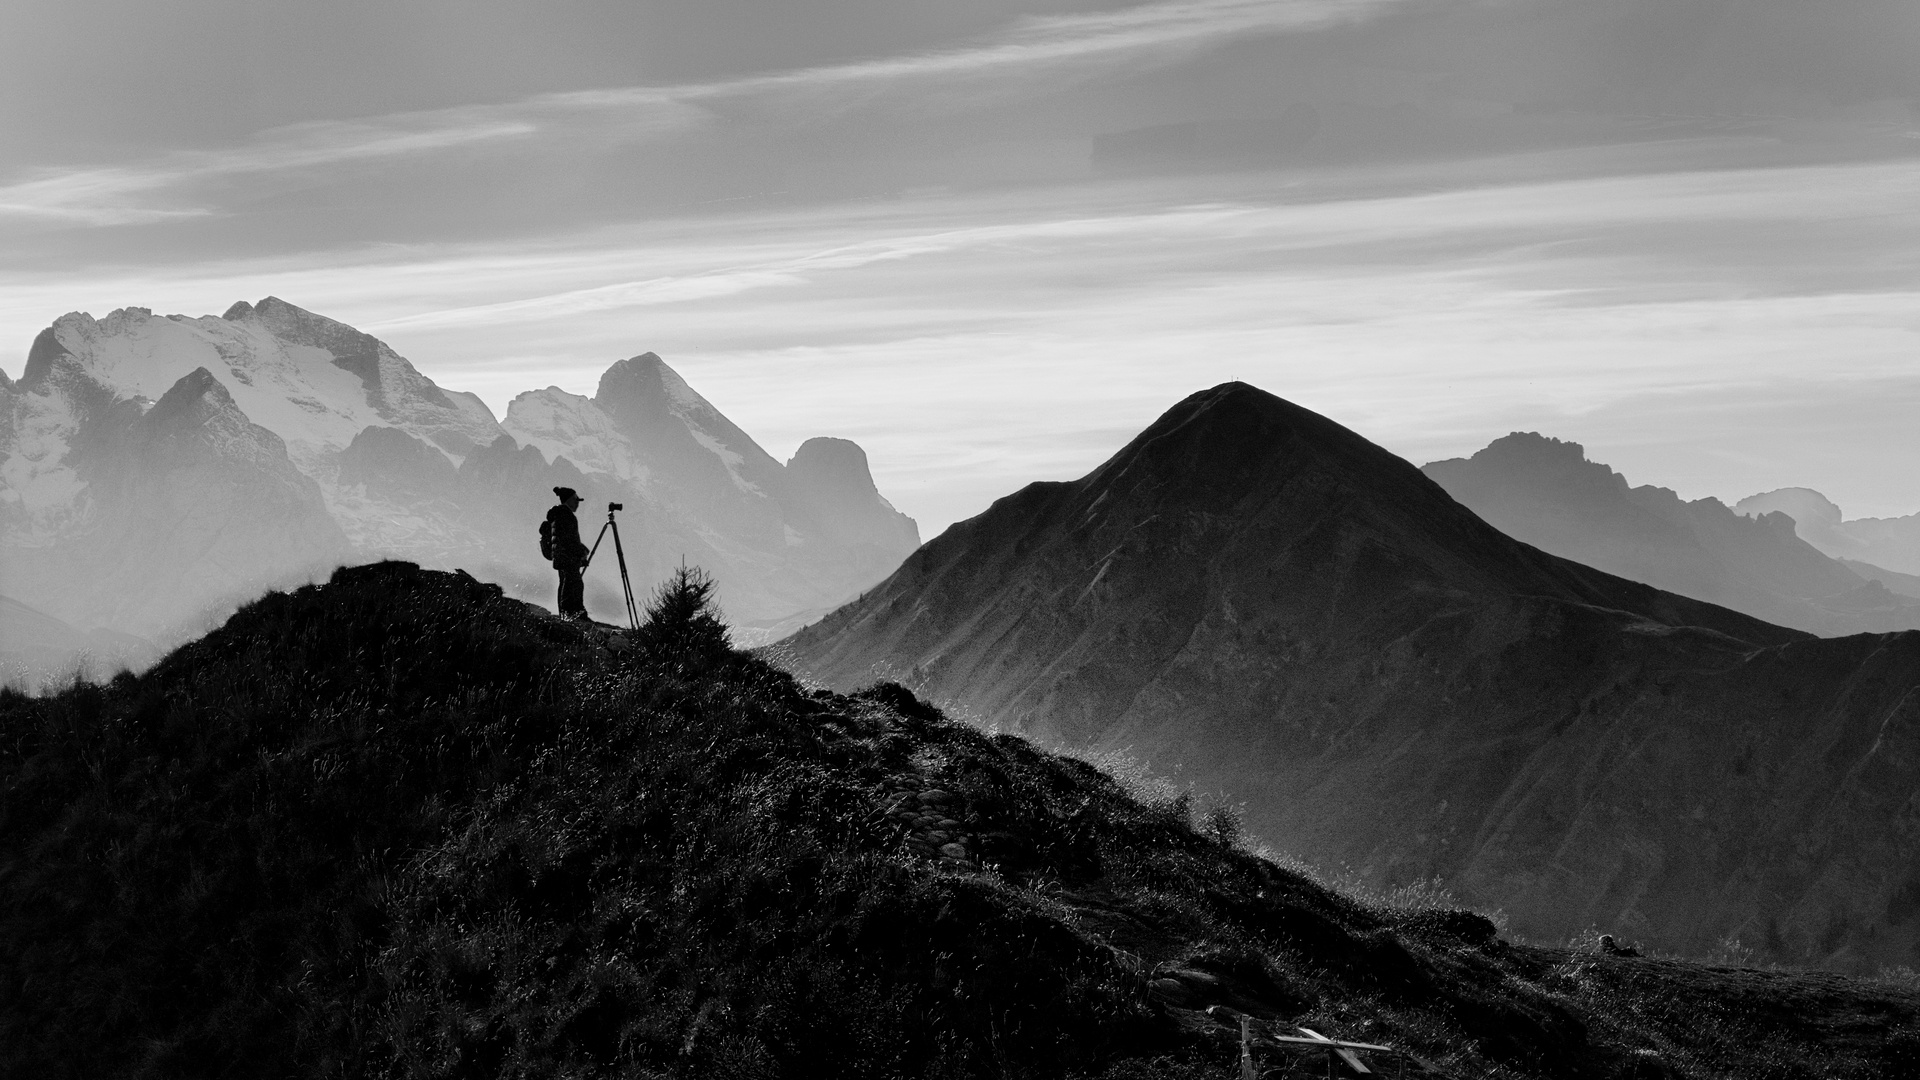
{"points": [[1247, 1070], [1340, 1048], [1324, 1041]]}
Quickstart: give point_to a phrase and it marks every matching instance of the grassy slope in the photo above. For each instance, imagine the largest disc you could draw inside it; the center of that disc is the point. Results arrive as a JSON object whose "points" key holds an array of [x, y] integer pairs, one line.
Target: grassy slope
{"points": [[398, 825]]}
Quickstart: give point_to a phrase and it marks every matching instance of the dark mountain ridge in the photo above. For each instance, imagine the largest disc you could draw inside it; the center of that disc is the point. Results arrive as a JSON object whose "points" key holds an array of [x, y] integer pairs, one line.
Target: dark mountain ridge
{"points": [[397, 824], [1280, 610]]}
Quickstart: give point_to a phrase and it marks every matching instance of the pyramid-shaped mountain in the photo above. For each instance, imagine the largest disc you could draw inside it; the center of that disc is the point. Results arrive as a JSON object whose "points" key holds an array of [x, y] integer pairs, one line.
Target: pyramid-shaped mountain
{"points": [[1265, 604]]}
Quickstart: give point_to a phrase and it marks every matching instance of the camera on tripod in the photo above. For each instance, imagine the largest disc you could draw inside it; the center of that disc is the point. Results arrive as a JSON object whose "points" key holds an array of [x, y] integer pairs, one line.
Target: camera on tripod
{"points": [[626, 584]]}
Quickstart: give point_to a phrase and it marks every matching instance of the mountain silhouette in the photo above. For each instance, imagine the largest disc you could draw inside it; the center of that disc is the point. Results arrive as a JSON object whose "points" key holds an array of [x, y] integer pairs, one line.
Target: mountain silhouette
{"points": [[1261, 602], [1885, 544], [1545, 492], [397, 824]]}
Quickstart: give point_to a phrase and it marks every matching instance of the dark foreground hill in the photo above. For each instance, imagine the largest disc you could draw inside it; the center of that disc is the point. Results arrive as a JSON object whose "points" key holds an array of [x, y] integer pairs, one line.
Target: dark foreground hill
{"points": [[397, 825], [1254, 595]]}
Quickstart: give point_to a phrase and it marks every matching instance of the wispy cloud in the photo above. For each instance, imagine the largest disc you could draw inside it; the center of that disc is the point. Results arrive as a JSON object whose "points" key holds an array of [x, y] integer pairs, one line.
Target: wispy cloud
{"points": [[975, 342], [121, 195], [1069, 45], [1032, 54], [805, 267]]}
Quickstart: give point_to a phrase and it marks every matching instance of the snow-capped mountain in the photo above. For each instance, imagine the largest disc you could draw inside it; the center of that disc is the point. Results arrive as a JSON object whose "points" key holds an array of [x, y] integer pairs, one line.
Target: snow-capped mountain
{"points": [[155, 468]]}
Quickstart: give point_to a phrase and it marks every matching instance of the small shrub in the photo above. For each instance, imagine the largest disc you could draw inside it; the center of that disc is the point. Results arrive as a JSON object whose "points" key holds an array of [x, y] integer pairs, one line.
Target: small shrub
{"points": [[1223, 824], [681, 618]]}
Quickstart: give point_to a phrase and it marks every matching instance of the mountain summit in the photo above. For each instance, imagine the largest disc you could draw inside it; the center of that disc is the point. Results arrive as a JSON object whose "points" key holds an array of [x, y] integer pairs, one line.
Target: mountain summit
{"points": [[1256, 597]]}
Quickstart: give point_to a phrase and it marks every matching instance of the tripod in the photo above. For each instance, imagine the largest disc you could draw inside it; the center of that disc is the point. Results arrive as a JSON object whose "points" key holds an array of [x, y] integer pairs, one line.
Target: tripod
{"points": [[626, 585]]}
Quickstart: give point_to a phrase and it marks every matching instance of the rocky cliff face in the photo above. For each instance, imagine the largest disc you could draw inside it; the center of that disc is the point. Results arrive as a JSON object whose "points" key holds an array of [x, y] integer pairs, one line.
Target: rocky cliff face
{"points": [[290, 442], [1263, 602], [1545, 492]]}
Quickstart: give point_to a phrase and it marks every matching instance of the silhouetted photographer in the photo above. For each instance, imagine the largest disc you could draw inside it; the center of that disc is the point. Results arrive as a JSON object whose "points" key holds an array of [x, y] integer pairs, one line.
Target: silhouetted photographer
{"points": [[560, 543]]}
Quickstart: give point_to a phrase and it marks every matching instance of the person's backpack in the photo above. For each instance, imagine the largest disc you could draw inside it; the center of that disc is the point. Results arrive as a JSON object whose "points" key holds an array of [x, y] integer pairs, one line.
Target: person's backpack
{"points": [[546, 539]]}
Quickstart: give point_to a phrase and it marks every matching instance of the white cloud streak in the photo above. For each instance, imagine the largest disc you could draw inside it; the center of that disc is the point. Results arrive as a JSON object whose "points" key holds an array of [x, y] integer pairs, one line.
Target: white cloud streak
{"points": [[803, 268], [1034, 53]]}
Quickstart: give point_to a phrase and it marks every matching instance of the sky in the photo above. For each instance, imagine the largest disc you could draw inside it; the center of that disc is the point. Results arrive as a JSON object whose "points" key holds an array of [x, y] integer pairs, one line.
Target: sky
{"points": [[992, 241]]}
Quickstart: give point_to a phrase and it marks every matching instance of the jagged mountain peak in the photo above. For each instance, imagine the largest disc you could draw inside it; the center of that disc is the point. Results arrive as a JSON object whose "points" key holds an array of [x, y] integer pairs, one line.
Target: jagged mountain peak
{"points": [[196, 395], [1799, 503], [198, 420], [41, 357], [833, 477], [840, 463], [663, 417], [313, 380], [274, 309], [403, 397], [1533, 441], [1538, 458], [1531, 446], [353, 349], [650, 385], [568, 425]]}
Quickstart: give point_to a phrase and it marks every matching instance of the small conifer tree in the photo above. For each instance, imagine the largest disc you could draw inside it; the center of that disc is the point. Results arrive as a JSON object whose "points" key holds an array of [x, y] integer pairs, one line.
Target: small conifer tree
{"points": [[681, 617]]}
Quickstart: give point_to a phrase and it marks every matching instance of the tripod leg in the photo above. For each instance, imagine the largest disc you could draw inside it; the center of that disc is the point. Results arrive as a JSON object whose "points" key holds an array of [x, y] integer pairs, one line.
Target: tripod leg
{"points": [[626, 585], [596, 545]]}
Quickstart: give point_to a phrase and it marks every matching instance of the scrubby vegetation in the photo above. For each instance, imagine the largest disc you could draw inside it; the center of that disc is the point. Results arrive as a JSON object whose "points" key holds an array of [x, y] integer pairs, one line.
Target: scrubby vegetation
{"points": [[399, 825]]}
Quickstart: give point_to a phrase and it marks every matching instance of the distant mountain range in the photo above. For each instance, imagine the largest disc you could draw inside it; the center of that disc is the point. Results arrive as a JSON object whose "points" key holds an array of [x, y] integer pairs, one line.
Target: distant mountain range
{"points": [[156, 470], [1885, 545], [37, 649], [1263, 603], [1748, 557]]}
